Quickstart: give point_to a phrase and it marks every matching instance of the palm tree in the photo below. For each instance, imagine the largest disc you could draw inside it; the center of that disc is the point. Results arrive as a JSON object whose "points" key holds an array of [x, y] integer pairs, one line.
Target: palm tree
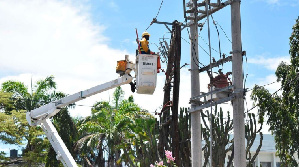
{"points": [[24, 100], [113, 132]]}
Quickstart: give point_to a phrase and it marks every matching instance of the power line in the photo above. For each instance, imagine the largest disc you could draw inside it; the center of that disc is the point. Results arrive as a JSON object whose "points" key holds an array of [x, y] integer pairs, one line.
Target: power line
{"points": [[265, 85], [271, 94], [193, 58], [162, 1], [198, 43], [207, 44], [224, 32], [218, 34]]}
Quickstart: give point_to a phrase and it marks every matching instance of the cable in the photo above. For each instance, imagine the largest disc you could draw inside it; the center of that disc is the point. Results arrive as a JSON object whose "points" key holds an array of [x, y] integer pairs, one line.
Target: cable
{"points": [[193, 57], [198, 44], [195, 51], [207, 44], [264, 85], [218, 34], [271, 94], [224, 32], [162, 1], [208, 27]]}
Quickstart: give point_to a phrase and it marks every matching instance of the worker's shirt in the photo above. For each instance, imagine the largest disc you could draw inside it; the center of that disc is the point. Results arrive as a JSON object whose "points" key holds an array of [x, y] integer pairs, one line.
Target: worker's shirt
{"points": [[144, 46]]}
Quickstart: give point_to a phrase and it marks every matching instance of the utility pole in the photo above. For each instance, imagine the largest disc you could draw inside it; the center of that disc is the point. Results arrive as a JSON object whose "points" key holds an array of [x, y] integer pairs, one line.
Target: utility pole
{"points": [[165, 120], [237, 73], [196, 138], [177, 57]]}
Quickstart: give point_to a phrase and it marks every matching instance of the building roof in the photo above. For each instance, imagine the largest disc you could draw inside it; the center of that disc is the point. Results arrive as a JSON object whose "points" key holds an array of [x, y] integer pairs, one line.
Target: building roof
{"points": [[268, 144]]}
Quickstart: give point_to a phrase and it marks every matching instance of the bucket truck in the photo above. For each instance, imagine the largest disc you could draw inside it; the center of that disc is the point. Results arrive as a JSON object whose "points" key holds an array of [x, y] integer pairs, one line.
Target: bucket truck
{"points": [[145, 69]]}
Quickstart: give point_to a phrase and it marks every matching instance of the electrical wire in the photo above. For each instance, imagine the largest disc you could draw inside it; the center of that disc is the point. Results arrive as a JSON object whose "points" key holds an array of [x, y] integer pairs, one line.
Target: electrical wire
{"points": [[195, 51], [224, 32], [207, 44], [271, 94], [264, 85], [198, 44], [210, 60], [162, 1], [218, 34]]}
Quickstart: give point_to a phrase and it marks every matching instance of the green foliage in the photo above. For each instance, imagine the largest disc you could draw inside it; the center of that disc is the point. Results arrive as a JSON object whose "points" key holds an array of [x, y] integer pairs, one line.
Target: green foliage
{"points": [[222, 143], [122, 130], [220, 138], [6, 104], [283, 111], [12, 127], [185, 136], [17, 100], [251, 132], [3, 159], [68, 133], [118, 95]]}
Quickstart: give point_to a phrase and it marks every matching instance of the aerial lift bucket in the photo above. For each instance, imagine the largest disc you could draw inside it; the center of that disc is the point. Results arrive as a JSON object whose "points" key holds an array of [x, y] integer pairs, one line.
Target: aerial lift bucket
{"points": [[146, 73]]}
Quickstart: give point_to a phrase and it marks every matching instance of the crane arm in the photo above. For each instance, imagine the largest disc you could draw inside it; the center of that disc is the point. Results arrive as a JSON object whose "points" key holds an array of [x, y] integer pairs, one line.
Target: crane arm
{"points": [[49, 110], [146, 75], [41, 116]]}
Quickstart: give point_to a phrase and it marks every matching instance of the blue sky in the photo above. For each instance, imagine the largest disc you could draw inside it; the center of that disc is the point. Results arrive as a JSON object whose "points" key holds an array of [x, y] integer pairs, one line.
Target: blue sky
{"points": [[79, 43]]}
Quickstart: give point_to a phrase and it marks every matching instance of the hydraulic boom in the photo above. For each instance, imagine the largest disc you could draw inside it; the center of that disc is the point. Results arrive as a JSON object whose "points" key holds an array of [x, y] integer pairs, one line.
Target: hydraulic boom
{"points": [[145, 71]]}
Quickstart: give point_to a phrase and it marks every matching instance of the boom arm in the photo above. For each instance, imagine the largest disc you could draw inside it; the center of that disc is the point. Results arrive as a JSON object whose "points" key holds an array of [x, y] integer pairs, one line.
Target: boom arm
{"points": [[41, 115], [146, 71]]}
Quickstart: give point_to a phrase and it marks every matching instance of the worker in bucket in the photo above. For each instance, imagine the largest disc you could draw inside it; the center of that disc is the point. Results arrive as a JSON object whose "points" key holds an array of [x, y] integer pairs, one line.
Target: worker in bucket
{"points": [[144, 48], [144, 44]]}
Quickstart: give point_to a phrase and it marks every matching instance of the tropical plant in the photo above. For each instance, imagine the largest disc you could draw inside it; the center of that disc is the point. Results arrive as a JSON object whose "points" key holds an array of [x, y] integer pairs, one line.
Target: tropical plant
{"points": [[21, 101], [222, 142], [115, 133]]}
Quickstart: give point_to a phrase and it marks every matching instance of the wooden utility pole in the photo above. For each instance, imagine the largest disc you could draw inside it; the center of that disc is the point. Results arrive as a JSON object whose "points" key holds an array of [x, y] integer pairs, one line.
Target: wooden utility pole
{"points": [[237, 73], [177, 56], [165, 120]]}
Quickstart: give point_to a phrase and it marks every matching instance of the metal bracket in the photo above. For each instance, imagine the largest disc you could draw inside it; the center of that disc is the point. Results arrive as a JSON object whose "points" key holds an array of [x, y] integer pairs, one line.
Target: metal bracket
{"points": [[203, 106], [212, 92], [215, 64], [239, 93], [238, 51], [81, 93], [168, 28]]}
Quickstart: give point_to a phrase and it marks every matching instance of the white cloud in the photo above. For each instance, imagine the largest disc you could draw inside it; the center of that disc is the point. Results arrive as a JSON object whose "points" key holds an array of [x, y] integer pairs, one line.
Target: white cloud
{"points": [[42, 38], [269, 79], [269, 63]]}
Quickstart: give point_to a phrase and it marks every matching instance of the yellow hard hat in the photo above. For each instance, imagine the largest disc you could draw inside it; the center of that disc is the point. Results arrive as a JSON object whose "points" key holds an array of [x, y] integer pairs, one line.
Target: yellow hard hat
{"points": [[145, 34]]}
